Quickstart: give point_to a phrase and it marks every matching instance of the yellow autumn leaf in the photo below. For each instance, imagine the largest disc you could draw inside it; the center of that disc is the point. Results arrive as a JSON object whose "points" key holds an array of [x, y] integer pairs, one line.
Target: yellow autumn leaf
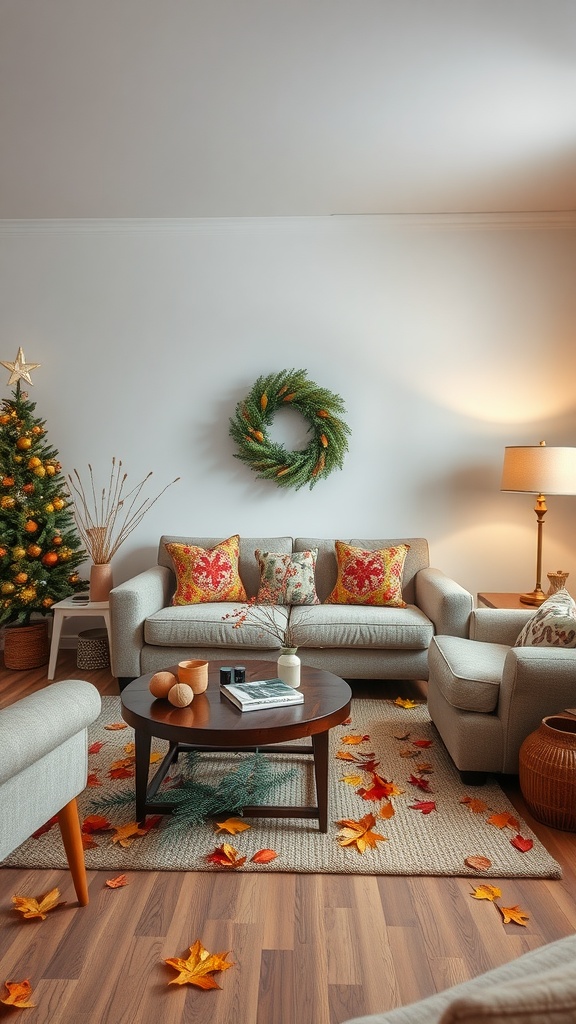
{"points": [[198, 967], [514, 915], [353, 739], [126, 834], [232, 826], [31, 907], [403, 702], [486, 892], [19, 993], [352, 780]]}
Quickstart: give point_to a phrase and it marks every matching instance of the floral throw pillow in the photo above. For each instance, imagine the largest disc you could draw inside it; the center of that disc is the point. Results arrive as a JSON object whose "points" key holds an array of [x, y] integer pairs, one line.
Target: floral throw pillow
{"points": [[553, 625], [207, 574], [369, 577], [287, 579]]}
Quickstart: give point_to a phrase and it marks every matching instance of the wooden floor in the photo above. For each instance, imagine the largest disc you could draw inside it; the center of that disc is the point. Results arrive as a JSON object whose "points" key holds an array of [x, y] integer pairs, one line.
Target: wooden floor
{"points": [[308, 949]]}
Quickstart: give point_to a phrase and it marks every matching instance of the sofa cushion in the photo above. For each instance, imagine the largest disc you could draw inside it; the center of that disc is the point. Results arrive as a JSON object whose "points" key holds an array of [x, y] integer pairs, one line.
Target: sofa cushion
{"points": [[207, 574], [207, 625], [247, 564], [546, 998], [369, 577], [467, 672], [287, 578], [327, 567], [349, 626], [553, 625]]}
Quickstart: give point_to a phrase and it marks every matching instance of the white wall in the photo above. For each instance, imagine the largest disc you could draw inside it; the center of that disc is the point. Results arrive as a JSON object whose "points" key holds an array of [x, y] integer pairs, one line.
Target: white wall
{"points": [[446, 340]]}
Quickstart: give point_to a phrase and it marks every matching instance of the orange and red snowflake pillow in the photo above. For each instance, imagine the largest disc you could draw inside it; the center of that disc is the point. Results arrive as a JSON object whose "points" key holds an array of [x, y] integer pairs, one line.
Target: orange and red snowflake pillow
{"points": [[369, 577], [207, 574]]}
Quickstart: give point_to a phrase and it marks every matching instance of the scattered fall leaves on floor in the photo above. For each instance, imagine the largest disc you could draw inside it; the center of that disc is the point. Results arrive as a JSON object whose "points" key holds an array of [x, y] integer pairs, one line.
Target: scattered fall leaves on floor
{"points": [[198, 967], [117, 883], [31, 907], [359, 833], [19, 993], [514, 915], [226, 856]]}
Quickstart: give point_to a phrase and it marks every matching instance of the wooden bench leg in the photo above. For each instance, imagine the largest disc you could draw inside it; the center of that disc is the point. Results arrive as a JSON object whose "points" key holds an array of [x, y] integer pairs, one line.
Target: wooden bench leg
{"points": [[69, 823]]}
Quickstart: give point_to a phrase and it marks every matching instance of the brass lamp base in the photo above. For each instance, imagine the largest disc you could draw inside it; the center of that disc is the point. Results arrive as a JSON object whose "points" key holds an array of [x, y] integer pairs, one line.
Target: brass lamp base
{"points": [[535, 597]]}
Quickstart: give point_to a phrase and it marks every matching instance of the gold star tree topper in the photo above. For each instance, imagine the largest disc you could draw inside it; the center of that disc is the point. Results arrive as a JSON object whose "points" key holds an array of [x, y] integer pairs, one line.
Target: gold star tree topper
{"points": [[20, 368]]}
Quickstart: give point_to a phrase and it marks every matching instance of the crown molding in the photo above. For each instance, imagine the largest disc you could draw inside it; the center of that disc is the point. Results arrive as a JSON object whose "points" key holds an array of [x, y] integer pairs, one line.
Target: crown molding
{"points": [[539, 220]]}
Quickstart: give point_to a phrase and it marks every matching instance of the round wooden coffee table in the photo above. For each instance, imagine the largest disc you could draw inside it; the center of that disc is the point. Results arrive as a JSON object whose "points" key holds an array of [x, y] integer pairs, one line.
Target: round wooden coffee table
{"points": [[213, 723]]}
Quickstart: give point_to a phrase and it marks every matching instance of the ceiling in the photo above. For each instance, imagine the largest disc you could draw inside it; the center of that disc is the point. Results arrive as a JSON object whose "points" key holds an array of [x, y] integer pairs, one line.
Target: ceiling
{"points": [[240, 108]]}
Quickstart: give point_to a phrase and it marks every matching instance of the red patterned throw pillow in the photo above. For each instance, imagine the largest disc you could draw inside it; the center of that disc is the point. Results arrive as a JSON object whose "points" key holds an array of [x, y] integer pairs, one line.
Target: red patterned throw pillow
{"points": [[369, 577], [207, 574]]}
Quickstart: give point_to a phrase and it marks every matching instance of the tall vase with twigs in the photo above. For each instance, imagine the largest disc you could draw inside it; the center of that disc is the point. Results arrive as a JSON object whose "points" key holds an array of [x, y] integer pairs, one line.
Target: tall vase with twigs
{"points": [[106, 518]]}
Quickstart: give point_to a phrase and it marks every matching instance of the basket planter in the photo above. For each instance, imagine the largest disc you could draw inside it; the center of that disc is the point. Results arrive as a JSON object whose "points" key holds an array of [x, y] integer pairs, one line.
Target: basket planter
{"points": [[547, 772], [26, 646]]}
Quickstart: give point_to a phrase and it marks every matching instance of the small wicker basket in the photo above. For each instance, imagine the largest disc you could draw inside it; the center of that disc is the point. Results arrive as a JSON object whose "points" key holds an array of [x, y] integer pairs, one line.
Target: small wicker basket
{"points": [[92, 649], [26, 646]]}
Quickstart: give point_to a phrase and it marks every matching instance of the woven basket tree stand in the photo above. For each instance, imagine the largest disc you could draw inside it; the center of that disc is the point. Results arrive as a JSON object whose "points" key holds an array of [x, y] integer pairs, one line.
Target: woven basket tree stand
{"points": [[26, 646], [547, 772]]}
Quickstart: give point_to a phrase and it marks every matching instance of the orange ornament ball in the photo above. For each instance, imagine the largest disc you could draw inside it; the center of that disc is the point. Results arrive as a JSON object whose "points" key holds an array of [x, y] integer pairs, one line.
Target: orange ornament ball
{"points": [[50, 558], [23, 442], [30, 526], [181, 695], [161, 684]]}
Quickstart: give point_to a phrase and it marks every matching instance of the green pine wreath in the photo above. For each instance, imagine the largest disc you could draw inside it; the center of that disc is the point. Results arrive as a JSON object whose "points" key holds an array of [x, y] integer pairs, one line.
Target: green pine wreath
{"points": [[271, 460]]}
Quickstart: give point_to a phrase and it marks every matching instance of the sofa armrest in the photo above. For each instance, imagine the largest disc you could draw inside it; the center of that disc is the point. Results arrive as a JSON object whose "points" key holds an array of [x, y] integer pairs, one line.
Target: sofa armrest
{"points": [[445, 602], [498, 625], [536, 681], [130, 605]]}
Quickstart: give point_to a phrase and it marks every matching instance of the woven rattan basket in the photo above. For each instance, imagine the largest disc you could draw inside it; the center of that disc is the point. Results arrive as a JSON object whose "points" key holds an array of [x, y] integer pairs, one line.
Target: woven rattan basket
{"points": [[547, 772], [93, 649], [26, 646]]}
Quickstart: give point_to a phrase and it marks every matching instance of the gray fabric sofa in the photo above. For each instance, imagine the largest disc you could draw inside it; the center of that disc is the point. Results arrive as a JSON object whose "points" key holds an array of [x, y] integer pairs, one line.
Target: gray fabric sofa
{"points": [[355, 642], [485, 696], [536, 988]]}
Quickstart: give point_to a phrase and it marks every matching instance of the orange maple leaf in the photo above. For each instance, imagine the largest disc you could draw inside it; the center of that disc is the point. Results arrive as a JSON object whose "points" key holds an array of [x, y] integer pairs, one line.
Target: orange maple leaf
{"points": [[122, 772], [31, 907], [19, 993], [264, 856], [117, 883], [474, 804], [126, 834], [379, 789], [232, 826], [345, 755], [486, 892], [514, 914], [504, 820], [359, 833], [198, 967], [354, 739], [115, 726], [387, 810], [226, 856]]}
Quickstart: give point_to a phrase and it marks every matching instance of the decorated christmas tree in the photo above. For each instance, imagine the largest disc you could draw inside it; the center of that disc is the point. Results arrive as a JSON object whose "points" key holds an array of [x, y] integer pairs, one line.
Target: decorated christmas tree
{"points": [[40, 550]]}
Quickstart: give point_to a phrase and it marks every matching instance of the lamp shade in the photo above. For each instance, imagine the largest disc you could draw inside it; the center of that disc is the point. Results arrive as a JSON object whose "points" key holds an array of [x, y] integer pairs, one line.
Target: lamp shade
{"points": [[539, 469]]}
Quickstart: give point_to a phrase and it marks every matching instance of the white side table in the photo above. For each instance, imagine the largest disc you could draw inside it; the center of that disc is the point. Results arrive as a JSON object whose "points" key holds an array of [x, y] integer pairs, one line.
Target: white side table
{"points": [[66, 609]]}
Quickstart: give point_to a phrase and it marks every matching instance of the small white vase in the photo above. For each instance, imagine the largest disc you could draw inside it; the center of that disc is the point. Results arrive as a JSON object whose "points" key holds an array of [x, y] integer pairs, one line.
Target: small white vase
{"points": [[289, 667]]}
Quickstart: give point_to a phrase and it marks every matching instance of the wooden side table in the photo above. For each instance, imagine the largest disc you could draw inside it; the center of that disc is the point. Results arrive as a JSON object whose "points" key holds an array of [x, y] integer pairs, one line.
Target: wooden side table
{"points": [[503, 601], [67, 609]]}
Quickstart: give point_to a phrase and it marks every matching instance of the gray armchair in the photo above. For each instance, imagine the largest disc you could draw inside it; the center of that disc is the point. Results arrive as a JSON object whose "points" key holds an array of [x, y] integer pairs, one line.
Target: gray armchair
{"points": [[485, 696], [44, 766]]}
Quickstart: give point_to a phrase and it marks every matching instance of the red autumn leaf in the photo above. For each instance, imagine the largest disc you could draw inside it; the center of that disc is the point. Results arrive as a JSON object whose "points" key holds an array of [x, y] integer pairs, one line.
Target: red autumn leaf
{"points": [[368, 766], [264, 856], [347, 721], [121, 773], [19, 993], [379, 789], [522, 844], [93, 779], [45, 828], [117, 883], [95, 823], [424, 784], [426, 806], [226, 856], [152, 821], [422, 743], [96, 747], [88, 842]]}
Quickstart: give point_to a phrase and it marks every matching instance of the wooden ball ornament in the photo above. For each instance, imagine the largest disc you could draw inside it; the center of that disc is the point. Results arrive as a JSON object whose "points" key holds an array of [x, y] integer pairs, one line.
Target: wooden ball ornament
{"points": [[161, 684], [181, 695]]}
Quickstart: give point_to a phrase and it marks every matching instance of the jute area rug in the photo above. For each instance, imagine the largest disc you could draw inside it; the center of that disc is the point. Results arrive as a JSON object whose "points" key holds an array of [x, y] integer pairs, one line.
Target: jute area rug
{"points": [[416, 843]]}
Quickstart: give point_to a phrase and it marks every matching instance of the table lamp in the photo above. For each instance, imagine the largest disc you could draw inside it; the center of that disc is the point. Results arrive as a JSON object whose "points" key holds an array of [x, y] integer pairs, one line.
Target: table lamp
{"points": [[539, 470]]}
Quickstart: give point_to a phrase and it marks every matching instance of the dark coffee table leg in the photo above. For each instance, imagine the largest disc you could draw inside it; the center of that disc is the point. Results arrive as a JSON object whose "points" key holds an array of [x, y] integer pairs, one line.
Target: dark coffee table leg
{"points": [[142, 744], [320, 746]]}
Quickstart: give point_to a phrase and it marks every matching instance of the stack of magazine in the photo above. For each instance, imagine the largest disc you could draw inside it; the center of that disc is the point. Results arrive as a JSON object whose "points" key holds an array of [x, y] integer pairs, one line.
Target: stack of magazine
{"points": [[266, 693]]}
